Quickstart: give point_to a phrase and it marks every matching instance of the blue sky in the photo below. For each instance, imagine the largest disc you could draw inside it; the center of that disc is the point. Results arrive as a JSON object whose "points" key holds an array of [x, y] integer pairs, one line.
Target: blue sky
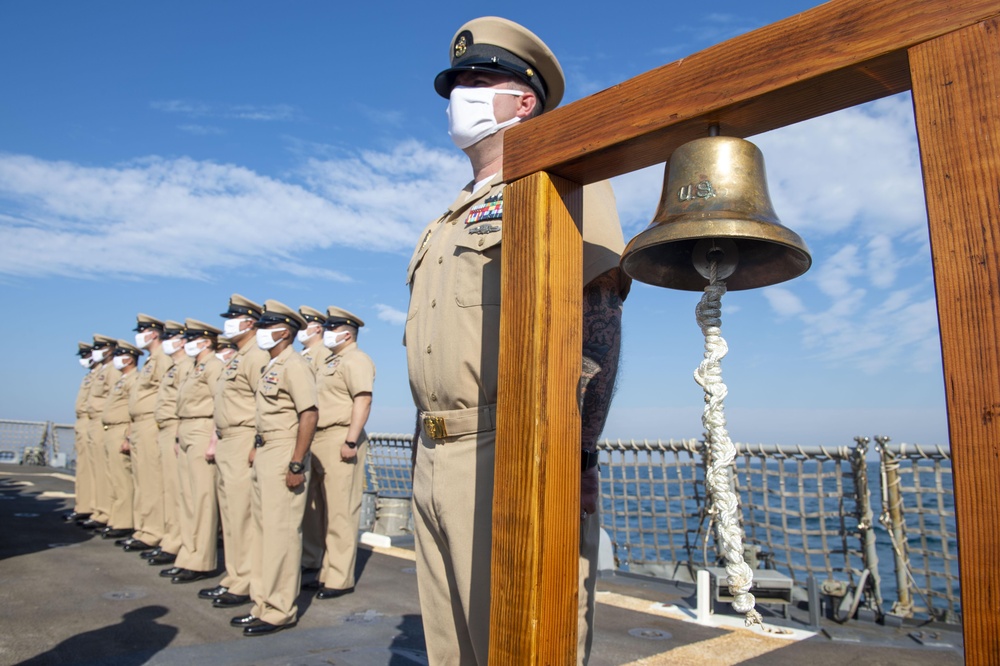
{"points": [[157, 157]]}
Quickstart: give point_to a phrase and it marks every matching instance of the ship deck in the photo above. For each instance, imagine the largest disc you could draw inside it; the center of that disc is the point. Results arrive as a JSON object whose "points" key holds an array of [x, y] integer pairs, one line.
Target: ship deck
{"points": [[69, 597]]}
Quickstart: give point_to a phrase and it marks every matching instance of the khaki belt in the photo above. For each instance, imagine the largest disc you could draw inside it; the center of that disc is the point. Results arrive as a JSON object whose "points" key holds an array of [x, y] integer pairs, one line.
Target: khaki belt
{"points": [[457, 422]]}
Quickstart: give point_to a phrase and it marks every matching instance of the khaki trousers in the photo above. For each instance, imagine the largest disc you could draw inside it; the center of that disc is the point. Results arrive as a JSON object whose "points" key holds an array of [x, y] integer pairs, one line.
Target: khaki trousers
{"points": [[119, 466], [167, 442], [313, 526], [84, 473], [99, 471], [340, 486], [235, 489], [275, 571], [199, 515], [453, 521], [148, 474]]}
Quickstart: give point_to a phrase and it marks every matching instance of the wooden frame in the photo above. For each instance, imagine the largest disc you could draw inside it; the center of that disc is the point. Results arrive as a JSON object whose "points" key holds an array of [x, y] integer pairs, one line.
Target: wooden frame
{"points": [[840, 54]]}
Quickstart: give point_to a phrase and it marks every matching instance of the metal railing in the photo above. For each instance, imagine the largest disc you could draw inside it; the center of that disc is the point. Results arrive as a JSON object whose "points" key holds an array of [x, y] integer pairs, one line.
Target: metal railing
{"points": [[808, 512]]}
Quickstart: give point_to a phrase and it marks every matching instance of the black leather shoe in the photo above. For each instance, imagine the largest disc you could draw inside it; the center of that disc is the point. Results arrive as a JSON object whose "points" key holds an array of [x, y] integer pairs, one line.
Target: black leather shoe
{"points": [[189, 576], [212, 592], [135, 545], [171, 572], [146, 554], [161, 559], [227, 600], [73, 517], [261, 628], [116, 533], [313, 584], [124, 542], [243, 620], [330, 593], [91, 524]]}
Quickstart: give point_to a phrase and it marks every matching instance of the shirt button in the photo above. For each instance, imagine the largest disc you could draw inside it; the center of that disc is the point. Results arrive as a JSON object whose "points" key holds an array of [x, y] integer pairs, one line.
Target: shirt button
{"points": [[428, 349], [434, 397], [481, 242], [440, 259], [434, 303]]}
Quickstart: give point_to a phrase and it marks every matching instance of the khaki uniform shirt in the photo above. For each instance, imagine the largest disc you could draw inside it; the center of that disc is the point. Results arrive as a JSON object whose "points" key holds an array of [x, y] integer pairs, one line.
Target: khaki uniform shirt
{"points": [[81, 396], [453, 324], [105, 377], [142, 398], [195, 396], [316, 356], [235, 402], [287, 388], [338, 381], [116, 405], [166, 397]]}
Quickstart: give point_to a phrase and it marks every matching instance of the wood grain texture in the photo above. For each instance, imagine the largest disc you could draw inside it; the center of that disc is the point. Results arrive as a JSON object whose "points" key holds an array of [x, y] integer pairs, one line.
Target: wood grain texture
{"points": [[837, 55], [956, 96], [536, 502]]}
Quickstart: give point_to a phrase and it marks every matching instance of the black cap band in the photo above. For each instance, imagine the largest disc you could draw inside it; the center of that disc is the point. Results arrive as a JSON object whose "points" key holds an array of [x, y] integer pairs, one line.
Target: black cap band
{"points": [[240, 311], [273, 319]]}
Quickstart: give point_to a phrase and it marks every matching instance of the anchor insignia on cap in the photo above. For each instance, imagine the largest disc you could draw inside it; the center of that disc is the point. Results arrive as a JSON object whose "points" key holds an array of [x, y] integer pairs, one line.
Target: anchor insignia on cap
{"points": [[460, 47]]}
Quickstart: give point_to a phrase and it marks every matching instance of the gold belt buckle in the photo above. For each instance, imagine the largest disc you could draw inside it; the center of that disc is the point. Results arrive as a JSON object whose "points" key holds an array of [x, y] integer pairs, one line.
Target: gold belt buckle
{"points": [[434, 427]]}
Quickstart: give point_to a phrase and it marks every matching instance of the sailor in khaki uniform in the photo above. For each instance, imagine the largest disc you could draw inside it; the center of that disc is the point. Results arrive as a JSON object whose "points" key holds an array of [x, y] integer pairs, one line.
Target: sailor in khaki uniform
{"points": [[236, 422], [178, 364], [286, 422], [105, 376], [344, 386], [144, 446], [196, 440], [225, 350], [314, 522], [84, 504], [116, 422], [500, 74]]}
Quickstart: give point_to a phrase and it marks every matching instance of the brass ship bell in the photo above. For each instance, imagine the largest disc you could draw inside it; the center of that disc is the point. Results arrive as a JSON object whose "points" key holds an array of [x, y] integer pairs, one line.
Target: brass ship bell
{"points": [[715, 207]]}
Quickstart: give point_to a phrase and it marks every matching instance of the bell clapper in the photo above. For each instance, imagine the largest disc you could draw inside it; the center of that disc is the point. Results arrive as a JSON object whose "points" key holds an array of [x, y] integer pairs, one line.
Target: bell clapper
{"points": [[716, 259]]}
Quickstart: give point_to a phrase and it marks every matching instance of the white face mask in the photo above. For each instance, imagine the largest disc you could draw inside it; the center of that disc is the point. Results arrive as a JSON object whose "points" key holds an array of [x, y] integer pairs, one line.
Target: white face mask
{"points": [[304, 335], [141, 341], [98, 355], [192, 348], [223, 356], [231, 328], [85, 362], [265, 340], [119, 362], [331, 338], [470, 114], [171, 346]]}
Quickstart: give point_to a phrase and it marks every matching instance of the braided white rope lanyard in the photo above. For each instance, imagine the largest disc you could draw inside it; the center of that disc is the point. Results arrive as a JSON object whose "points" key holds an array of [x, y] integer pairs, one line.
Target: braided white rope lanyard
{"points": [[722, 451]]}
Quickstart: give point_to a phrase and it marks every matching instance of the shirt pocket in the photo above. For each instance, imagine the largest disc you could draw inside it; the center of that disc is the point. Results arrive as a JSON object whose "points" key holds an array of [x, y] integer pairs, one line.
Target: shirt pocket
{"points": [[477, 270]]}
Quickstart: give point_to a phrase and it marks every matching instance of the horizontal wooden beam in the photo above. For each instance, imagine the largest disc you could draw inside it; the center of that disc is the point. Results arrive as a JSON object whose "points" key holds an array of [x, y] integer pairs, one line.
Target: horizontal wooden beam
{"points": [[837, 55]]}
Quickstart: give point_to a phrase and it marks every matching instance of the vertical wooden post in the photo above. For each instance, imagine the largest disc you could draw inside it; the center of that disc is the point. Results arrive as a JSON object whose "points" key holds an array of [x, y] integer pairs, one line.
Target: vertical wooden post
{"points": [[536, 498], [956, 96]]}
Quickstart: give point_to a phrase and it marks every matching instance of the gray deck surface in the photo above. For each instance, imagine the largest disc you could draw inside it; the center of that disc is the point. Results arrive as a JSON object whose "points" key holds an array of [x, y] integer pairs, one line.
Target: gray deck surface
{"points": [[68, 597]]}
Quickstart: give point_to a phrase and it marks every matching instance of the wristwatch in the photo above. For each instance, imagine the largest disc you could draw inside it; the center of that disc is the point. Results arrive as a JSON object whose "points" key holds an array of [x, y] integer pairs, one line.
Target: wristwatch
{"points": [[296, 467], [351, 445], [588, 459]]}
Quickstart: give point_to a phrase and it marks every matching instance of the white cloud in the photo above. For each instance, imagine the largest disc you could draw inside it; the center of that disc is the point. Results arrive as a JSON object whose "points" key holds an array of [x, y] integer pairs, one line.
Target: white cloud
{"points": [[160, 217], [783, 301], [390, 314], [201, 130], [259, 112]]}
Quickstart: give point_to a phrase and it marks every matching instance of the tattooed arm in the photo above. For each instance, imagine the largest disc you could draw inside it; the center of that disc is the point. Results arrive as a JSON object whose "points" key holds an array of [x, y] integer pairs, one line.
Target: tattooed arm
{"points": [[602, 327]]}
